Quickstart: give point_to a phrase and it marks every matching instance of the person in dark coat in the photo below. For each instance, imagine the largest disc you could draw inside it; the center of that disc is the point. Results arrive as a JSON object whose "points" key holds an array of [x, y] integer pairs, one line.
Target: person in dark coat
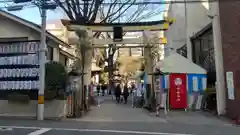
{"points": [[98, 89], [104, 87], [118, 93], [132, 87], [125, 94]]}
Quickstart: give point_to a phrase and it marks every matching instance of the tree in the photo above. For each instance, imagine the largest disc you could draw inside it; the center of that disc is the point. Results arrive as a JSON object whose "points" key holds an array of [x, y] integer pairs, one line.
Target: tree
{"points": [[104, 77], [108, 11], [128, 65]]}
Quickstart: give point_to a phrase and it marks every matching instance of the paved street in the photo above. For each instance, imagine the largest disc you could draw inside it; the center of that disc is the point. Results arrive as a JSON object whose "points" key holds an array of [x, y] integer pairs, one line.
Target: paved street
{"points": [[112, 119]]}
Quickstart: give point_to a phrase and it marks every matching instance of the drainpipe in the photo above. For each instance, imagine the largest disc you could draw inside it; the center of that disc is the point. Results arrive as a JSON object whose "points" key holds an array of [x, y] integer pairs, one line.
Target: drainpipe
{"points": [[187, 41]]}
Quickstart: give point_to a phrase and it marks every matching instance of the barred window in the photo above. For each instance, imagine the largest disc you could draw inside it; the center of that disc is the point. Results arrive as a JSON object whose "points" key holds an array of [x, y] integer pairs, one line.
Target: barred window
{"points": [[183, 51]]}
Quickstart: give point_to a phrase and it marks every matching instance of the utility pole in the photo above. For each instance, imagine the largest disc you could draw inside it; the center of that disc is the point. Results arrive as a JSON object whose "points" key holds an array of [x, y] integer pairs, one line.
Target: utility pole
{"points": [[42, 60], [43, 6], [189, 47]]}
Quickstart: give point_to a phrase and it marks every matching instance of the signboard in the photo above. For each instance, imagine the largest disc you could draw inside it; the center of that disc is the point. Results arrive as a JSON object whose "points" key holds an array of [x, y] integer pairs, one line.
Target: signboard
{"points": [[230, 85], [178, 91], [19, 66]]}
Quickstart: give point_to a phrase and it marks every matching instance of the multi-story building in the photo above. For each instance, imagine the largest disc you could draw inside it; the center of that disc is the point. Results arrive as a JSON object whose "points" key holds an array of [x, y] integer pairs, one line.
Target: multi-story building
{"points": [[195, 32]]}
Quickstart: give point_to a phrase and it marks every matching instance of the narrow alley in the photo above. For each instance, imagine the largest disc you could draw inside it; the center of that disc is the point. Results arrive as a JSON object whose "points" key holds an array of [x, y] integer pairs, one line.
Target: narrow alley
{"points": [[109, 111]]}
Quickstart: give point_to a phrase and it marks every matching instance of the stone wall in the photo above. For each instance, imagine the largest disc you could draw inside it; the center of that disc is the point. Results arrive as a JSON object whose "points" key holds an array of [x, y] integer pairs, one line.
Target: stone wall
{"points": [[55, 109]]}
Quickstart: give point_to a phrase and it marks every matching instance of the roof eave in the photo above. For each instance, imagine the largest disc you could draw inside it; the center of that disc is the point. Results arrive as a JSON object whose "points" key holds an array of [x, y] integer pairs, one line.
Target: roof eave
{"points": [[33, 26]]}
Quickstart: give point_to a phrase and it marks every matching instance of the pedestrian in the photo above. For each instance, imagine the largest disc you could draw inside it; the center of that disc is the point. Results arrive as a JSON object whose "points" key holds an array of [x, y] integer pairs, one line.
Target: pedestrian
{"points": [[132, 87], [103, 89], [118, 93], [125, 93], [98, 89]]}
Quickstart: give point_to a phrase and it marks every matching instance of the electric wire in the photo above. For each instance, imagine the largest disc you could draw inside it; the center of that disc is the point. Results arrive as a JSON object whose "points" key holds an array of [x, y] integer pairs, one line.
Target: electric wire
{"points": [[32, 5]]}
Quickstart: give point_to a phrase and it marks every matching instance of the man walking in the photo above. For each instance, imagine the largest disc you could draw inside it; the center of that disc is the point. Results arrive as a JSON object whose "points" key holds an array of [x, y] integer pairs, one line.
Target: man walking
{"points": [[125, 94], [118, 93]]}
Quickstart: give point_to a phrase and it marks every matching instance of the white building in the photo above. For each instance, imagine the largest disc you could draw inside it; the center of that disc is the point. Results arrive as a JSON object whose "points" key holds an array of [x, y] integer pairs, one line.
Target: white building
{"points": [[190, 19]]}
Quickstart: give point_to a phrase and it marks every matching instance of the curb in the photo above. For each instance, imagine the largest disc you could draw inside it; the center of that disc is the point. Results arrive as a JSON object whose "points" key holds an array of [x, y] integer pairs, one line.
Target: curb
{"points": [[29, 118]]}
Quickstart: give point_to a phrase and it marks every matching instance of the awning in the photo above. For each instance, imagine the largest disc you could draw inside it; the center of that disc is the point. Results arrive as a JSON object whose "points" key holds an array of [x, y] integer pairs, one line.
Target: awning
{"points": [[176, 63]]}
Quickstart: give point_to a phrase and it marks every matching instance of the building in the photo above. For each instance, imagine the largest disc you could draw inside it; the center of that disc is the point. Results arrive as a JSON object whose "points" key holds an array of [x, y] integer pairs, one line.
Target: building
{"points": [[206, 36], [195, 43], [187, 24], [16, 29]]}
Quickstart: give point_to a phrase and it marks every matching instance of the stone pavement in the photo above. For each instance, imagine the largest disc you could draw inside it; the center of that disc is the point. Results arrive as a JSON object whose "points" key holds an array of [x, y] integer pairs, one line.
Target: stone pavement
{"points": [[110, 111], [116, 119], [195, 118]]}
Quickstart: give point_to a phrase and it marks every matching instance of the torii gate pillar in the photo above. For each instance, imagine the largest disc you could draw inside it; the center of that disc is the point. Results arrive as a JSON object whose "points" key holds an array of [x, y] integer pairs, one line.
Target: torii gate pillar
{"points": [[87, 59], [148, 61]]}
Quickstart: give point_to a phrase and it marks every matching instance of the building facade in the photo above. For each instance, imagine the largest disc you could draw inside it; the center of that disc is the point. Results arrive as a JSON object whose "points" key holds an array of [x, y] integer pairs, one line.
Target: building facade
{"points": [[199, 40], [187, 24], [20, 30]]}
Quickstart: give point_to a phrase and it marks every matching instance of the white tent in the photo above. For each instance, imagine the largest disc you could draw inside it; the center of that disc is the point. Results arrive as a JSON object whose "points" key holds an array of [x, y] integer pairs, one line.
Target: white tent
{"points": [[176, 63]]}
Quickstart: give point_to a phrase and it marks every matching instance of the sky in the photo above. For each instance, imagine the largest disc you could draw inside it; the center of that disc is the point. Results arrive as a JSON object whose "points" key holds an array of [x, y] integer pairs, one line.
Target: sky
{"points": [[32, 13]]}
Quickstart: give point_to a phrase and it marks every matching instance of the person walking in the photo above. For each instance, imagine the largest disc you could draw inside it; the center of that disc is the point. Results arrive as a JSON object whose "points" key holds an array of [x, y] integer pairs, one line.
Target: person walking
{"points": [[98, 89], [103, 89], [125, 93], [118, 93]]}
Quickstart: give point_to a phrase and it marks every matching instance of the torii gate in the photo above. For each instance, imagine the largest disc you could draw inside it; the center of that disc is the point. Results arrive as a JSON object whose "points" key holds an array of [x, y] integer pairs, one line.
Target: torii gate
{"points": [[145, 40]]}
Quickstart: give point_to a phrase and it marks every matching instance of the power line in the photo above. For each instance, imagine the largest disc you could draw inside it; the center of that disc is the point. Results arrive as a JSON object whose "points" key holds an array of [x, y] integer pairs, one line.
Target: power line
{"points": [[157, 3], [143, 3], [132, 3]]}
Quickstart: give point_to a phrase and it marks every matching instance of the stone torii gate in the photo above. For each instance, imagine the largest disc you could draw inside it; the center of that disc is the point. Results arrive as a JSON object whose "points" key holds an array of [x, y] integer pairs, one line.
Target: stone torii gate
{"points": [[145, 41]]}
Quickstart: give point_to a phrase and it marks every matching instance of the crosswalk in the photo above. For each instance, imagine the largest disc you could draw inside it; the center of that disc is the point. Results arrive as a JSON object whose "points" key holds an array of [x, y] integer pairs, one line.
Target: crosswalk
{"points": [[69, 131]]}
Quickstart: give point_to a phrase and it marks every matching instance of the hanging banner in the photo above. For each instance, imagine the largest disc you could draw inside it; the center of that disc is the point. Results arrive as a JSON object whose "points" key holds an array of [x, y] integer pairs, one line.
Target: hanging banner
{"points": [[178, 91]]}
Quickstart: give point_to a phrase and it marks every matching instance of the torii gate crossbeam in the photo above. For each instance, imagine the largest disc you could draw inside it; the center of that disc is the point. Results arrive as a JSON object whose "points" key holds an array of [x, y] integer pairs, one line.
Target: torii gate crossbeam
{"points": [[126, 27]]}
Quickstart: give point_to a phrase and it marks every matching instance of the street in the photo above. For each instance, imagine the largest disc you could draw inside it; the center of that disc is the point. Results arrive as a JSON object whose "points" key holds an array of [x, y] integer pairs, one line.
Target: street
{"points": [[116, 119]]}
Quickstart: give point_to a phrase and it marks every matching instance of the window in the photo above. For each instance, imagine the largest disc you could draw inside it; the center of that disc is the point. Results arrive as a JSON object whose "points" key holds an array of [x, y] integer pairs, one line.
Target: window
{"points": [[63, 59], [204, 51], [196, 50], [182, 51], [50, 53]]}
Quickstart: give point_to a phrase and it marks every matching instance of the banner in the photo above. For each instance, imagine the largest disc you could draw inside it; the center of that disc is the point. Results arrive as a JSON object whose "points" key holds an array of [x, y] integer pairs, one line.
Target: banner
{"points": [[178, 91]]}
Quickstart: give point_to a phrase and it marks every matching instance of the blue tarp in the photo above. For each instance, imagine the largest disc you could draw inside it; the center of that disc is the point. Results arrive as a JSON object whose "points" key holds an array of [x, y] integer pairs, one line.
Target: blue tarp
{"points": [[196, 83]]}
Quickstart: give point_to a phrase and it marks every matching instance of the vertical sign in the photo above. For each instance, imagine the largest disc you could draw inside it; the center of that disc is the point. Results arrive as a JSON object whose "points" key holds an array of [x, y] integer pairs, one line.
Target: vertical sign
{"points": [[195, 84], [178, 91], [230, 85], [158, 94], [204, 83]]}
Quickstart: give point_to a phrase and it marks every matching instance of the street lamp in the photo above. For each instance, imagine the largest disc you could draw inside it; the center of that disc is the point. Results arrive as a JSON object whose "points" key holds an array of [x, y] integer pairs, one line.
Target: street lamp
{"points": [[43, 6]]}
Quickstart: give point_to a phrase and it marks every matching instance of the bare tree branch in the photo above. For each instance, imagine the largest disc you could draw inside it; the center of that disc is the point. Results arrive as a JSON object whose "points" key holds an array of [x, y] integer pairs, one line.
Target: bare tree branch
{"points": [[126, 10]]}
